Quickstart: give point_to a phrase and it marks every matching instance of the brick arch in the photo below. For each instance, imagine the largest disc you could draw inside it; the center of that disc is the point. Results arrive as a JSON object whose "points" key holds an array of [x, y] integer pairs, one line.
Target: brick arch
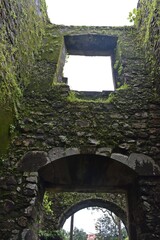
{"points": [[118, 211]]}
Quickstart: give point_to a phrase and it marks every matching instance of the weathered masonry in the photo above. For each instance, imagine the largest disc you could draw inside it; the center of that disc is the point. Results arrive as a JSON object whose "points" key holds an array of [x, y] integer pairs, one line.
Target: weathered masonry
{"points": [[54, 139]]}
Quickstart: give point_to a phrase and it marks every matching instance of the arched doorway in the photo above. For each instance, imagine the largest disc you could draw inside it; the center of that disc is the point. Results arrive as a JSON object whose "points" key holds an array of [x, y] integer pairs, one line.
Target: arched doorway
{"points": [[93, 203], [89, 173], [95, 170]]}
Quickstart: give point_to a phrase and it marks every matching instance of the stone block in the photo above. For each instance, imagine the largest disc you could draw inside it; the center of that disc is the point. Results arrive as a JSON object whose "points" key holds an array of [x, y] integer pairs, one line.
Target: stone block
{"points": [[33, 160]]}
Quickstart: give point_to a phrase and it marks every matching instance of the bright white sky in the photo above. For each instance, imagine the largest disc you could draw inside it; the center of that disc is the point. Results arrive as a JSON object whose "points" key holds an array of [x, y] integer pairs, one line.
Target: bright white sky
{"points": [[84, 219], [82, 74], [87, 73], [89, 13]]}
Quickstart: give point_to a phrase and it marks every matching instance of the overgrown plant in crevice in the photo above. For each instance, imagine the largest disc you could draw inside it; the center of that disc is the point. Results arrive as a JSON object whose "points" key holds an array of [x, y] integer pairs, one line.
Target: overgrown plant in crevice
{"points": [[72, 97], [47, 203], [125, 86], [133, 16]]}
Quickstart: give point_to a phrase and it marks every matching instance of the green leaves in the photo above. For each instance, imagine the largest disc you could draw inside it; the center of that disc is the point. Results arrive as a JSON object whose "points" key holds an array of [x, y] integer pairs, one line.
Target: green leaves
{"points": [[132, 15], [47, 204]]}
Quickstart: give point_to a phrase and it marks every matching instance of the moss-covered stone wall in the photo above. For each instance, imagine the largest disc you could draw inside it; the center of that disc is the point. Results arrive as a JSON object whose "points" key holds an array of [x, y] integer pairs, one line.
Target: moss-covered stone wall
{"points": [[147, 22], [126, 119], [21, 31], [50, 115]]}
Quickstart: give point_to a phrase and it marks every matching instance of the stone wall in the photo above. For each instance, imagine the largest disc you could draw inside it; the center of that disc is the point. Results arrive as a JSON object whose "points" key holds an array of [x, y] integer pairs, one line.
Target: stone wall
{"points": [[124, 122], [149, 197], [147, 21], [21, 29], [51, 116], [127, 120], [22, 26], [19, 206]]}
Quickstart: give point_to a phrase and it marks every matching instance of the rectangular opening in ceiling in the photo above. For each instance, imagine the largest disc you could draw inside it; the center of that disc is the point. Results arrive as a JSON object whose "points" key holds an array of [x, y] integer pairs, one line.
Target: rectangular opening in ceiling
{"points": [[89, 73]]}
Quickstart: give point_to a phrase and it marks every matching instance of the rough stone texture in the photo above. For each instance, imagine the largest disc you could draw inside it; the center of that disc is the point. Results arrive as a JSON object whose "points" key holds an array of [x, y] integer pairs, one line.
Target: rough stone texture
{"points": [[32, 161], [18, 207], [148, 19], [140, 163], [129, 123], [90, 44], [83, 142], [150, 208], [22, 25]]}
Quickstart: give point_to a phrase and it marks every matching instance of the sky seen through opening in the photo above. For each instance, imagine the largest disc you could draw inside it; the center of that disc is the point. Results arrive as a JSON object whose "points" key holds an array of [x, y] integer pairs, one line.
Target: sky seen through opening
{"points": [[89, 74], [89, 13]]}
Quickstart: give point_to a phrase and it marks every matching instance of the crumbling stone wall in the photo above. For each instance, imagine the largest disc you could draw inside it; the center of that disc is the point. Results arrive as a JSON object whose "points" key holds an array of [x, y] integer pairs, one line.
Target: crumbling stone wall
{"points": [[147, 21], [128, 120], [150, 208], [19, 206], [128, 123], [22, 26], [125, 122]]}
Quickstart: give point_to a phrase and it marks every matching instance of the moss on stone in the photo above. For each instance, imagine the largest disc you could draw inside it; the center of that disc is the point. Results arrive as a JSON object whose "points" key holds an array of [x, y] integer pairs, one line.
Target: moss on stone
{"points": [[6, 119], [147, 22], [21, 37]]}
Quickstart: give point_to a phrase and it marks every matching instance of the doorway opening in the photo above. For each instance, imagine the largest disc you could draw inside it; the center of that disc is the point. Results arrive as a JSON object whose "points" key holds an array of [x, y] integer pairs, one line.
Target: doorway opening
{"points": [[89, 214]]}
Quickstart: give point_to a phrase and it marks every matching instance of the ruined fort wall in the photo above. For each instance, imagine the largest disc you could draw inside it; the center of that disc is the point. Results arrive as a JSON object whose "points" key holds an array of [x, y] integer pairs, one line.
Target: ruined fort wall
{"points": [[21, 29], [50, 116]]}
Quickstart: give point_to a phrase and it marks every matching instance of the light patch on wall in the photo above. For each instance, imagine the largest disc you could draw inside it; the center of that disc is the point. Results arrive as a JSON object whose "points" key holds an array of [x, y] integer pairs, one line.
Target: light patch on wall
{"points": [[89, 73]]}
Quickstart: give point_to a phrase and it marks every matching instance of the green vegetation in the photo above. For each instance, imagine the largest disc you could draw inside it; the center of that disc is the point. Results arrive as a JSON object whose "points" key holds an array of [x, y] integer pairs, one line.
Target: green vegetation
{"points": [[74, 98], [134, 15], [125, 86], [79, 234], [56, 203], [118, 65], [47, 204], [6, 121], [110, 227], [111, 98], [19, 46], [9, 88], [147, 35], [53, 235], [17, 51]]}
